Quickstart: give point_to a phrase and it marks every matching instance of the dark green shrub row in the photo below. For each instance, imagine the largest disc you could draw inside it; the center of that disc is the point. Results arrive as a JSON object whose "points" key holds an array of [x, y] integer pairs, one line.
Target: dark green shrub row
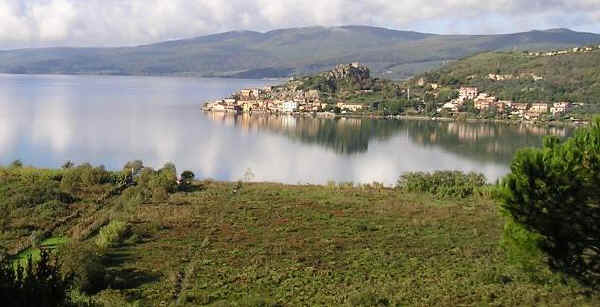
{"points": [[442, 183]]}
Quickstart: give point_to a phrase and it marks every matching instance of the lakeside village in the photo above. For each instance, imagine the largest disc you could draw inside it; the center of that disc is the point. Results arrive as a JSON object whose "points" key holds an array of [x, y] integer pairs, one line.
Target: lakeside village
{"points": [[270, 100], [484, 102], [294, 98], [274, 100]]}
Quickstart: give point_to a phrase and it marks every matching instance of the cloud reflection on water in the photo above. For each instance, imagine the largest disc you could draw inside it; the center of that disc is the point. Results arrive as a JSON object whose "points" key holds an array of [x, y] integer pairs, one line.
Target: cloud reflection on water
{"points": [[109, 120]]}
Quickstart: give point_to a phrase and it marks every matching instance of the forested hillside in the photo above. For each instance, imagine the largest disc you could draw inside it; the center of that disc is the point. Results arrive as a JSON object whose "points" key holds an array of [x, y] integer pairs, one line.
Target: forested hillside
{"points": [[526, 77]]}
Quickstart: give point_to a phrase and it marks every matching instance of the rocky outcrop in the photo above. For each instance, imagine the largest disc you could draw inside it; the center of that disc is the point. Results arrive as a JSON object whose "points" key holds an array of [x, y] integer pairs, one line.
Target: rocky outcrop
{"points": [[353, 74]]}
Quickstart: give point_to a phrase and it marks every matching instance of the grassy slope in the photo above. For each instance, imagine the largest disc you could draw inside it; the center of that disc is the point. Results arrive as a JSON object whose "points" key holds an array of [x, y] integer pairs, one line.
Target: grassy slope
{"points": [[294, 245], [318, 245]]}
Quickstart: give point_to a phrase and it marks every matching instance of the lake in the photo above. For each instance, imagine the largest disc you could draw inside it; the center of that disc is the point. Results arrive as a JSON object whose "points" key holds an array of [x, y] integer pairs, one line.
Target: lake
{"points": [[46, 120]]}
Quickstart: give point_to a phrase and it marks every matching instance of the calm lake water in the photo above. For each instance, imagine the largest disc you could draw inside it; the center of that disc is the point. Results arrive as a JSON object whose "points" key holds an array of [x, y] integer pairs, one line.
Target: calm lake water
{"points": [[47, 120]]}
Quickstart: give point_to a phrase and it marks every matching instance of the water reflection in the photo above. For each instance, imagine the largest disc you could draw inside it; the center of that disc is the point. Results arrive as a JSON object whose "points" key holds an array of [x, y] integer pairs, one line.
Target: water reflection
{"points": [[343, 135], [46, 120], [481, 141]]}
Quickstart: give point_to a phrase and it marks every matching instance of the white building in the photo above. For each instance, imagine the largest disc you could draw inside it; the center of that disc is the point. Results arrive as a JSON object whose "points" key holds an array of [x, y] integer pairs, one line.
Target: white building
{"points": [[289, 106], [217, 107], [560, 108], [466, 93], [449, 106]]}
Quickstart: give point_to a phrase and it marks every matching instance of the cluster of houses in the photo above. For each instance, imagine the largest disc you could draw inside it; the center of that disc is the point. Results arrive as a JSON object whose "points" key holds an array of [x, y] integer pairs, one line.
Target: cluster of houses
{"points": [[498, 77], [485, 102], [567, 51], [276, 100]]}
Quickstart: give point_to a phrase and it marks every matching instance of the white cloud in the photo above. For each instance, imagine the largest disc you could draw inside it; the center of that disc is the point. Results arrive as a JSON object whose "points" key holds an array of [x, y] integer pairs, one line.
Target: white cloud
{"points": [[53, 19], [9, 134], [50, 125], [26, 23]]}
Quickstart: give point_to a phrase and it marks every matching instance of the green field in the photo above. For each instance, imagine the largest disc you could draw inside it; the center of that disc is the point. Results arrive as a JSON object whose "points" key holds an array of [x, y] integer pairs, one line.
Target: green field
{"points": [[266, 244], [315, 245]]}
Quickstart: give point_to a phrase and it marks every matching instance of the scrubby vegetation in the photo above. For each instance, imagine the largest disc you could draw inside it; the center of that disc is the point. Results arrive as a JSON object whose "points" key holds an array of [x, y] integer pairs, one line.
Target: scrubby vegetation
{"points": [[442, 184], [112, 234], [74, 212], [84, 263], [435, 239]]}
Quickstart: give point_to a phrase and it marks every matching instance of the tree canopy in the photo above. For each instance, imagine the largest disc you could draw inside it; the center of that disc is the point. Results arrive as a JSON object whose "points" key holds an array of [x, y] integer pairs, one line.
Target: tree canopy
{"points": [[553, 193]]}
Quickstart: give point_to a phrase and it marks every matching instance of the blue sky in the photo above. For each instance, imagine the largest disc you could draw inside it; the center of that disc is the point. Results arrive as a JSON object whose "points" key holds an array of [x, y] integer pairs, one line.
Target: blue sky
{"points": [[38, 23]]}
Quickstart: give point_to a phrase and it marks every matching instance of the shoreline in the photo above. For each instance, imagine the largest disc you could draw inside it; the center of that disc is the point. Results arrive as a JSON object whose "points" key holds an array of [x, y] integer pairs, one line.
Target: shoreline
{"points": [[411, 117]]}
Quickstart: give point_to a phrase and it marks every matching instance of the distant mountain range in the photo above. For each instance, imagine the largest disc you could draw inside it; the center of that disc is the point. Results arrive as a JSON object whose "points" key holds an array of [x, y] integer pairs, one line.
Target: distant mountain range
{"points": [[281, 53]]}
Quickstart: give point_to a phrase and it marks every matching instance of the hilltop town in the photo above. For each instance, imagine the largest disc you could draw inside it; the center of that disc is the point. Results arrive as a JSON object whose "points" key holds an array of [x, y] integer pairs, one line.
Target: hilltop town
{"points": [[349, 89], [296, 96]]}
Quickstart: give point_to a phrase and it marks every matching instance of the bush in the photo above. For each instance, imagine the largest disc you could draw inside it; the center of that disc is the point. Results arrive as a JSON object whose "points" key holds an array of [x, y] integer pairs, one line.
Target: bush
{"points": [[160, 194], [187, 177], [442, 183], [84, 176], [91, 176], [68, 164], [133, 167], [27, 188], [163, 180], [155, 185], [112, 234], [51, 210], [135, 195], [553, 193], [169, 169], [121, 178], [83, 262]]}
